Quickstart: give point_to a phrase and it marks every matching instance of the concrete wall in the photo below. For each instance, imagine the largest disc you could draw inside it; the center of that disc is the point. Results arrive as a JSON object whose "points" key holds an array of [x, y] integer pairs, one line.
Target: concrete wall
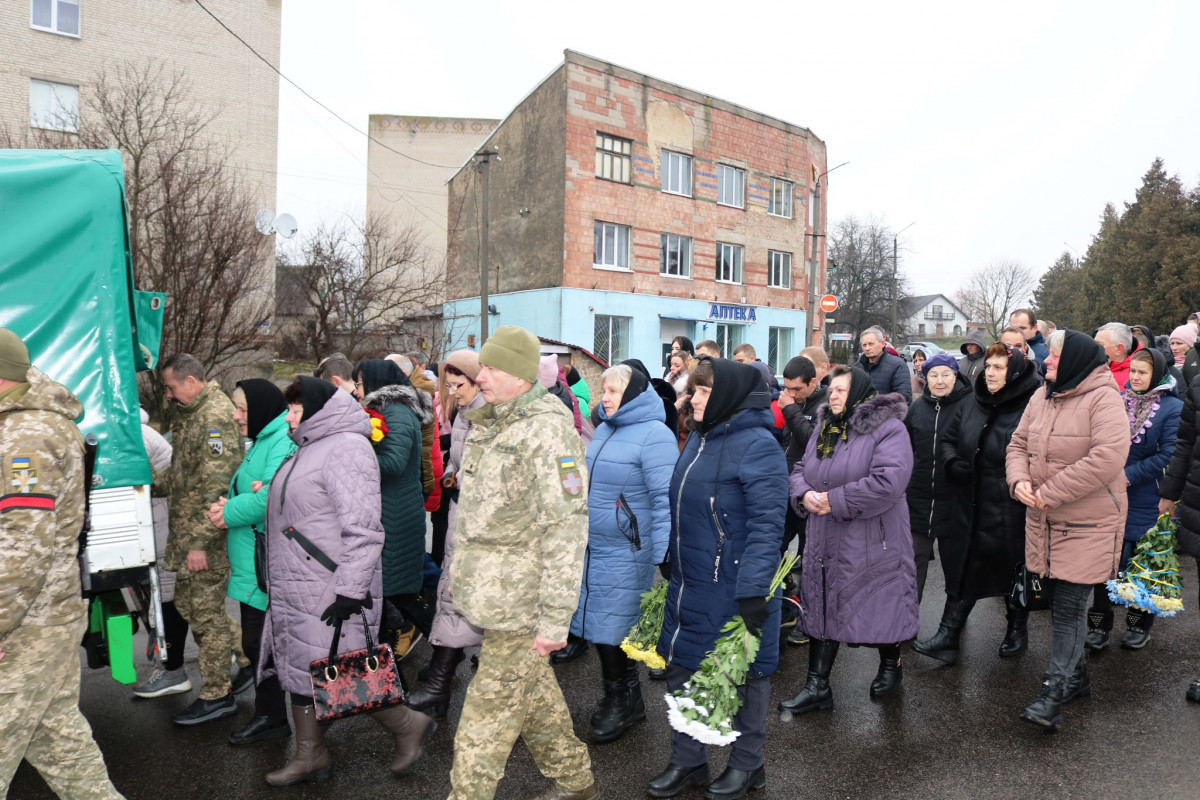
{"points": [[526, 196]]}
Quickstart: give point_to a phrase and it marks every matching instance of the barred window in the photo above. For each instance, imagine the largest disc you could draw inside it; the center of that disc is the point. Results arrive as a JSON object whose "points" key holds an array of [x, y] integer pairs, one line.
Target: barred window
{"points": [[611, 341]]}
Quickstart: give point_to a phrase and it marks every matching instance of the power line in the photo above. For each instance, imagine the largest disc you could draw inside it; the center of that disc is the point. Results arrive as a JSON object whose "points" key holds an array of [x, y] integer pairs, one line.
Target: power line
{"points": [[299, 88]]}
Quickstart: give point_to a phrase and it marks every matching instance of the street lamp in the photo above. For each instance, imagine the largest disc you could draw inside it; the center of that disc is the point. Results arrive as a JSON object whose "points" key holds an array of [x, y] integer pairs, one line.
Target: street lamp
{"points": [[814, 261], [895, 268]]}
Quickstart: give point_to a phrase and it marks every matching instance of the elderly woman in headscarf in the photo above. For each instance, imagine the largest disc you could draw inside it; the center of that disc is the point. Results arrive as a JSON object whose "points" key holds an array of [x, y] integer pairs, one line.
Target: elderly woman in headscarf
{"points": [[630, 461], [728, 496], [859, 582], [261, 415], [1066, 463], [985, 543]]}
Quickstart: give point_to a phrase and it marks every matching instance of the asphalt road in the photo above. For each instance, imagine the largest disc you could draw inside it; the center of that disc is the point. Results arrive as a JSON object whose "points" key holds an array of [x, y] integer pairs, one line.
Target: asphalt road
{"points": [[950, 732]]}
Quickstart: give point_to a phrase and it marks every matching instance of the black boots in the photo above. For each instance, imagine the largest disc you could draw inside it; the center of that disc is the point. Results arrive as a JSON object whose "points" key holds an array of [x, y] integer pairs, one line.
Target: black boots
{"points": [[1016, 635], [1080, 682], [943, 645], [1046, 711], [574, 649], [1138, 634], [675, 779], [816, 693], [1100, 623], [434, 696], [736, 783], [890, 672], [622, 704]]}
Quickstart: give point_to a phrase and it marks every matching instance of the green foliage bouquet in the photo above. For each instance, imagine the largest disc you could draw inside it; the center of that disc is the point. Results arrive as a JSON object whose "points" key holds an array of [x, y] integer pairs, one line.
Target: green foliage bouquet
{"points": [[642, 642], [1151, 580], [706, 705]]}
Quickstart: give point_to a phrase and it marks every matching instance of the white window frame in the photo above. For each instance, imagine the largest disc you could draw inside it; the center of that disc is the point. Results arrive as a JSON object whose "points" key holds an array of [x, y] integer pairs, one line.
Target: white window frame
{"points": [[601, 257], [58, 117], [735, 195], [681, 243], [781, 191], [623, 325], [736, 254], [613, 151], [676, 173], [54, 17], [779, 264]]}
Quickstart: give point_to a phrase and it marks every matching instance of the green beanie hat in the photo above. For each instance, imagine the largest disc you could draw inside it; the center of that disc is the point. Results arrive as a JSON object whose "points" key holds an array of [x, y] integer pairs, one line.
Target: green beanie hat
{"points": [[14, 357], [513, 350]]}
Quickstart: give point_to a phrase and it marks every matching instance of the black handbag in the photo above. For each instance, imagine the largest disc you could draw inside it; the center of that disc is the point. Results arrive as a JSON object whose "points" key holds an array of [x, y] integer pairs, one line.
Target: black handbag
{"points": [[1030, 591]]}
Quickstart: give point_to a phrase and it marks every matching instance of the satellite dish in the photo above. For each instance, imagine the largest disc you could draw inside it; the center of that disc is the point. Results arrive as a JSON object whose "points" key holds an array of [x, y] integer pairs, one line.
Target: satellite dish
{"points": [[268, 224]]}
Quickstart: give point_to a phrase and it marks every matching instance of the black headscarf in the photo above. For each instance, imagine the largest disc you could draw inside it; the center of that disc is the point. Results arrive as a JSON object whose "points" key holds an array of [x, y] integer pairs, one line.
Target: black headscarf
{"points": [[379, 372], [735, 387], [264, 402], [639, 379], [314, 394], [837, 426], [1016, 364], [1081, 354]]}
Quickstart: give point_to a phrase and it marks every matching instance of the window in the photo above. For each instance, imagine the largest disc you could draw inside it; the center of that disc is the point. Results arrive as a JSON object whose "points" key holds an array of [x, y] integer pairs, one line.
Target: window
{"points": [[731, 186], [958, 330], [675, 256], [781, 198], [779, 269], [612, 338], [676, 173], [611, 248], [728, 337], [54, 106], [779, 346], [613, 161], [920, 329], [56, 16], [729, 262]]}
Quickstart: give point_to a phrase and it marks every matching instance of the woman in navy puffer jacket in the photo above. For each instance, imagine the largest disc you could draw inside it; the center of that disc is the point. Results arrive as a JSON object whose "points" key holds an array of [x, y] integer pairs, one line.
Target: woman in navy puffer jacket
{"points": [[630, 461], [728, 499]]}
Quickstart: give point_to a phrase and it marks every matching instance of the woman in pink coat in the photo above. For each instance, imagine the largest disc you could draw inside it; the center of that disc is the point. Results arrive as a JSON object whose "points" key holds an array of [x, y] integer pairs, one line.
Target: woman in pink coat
{"points": [[1066, 462]]}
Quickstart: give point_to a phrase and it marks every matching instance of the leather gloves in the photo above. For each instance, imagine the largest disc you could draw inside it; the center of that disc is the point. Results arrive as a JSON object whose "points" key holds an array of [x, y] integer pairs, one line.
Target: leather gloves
{"points": [[343, 608], [754, 613]]}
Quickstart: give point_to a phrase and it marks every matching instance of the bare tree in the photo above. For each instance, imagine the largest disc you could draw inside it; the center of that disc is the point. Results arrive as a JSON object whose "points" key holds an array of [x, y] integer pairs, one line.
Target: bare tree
{"points": [[862, 282], [190, 211], [991, 294], [362, 287]]}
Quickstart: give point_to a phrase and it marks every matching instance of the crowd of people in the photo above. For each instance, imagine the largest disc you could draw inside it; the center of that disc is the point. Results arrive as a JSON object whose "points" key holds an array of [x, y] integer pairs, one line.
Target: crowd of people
{"points": [[1046, 453]]}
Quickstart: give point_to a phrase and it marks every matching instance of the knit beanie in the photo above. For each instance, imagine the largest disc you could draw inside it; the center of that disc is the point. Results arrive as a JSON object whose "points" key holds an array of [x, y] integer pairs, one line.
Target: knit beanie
{"points": [[548, 370], [14, 357], [513, 350], [466, 362], [1186, 333], [940, 360]]}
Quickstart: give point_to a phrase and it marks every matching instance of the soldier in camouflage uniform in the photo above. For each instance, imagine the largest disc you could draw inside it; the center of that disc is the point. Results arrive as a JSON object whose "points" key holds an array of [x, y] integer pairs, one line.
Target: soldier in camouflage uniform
{"points": [[42, 612], [520, 539], [207, 450]]}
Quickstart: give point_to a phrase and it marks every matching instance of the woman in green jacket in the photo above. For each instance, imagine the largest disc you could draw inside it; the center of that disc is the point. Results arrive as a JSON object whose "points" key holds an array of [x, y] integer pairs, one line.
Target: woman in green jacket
{"points": [[260, 411]]}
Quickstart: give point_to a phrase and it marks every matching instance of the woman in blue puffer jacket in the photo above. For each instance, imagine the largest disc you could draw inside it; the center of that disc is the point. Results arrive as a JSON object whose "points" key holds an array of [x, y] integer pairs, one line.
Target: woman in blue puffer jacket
{"points": [[728, 500], [630, 461]]}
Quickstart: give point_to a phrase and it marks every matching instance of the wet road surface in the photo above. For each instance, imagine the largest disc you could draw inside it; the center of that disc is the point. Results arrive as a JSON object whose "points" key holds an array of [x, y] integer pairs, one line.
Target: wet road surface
{"points": [[949, 732]]}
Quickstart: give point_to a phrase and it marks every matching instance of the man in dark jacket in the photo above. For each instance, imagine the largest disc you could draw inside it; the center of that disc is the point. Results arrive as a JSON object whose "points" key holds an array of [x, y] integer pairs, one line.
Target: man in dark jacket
{"points": [[1024, 320], [971, 364], [889, 373]]}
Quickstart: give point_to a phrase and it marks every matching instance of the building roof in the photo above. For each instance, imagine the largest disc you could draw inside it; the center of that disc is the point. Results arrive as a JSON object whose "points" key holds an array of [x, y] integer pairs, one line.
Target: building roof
{"points": [[914, 304]]}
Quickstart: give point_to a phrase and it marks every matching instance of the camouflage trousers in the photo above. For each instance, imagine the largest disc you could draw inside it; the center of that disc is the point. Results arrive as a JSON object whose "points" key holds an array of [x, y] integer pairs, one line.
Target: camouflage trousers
{"points": [[200, 599], [39, 714], [514, 694]]}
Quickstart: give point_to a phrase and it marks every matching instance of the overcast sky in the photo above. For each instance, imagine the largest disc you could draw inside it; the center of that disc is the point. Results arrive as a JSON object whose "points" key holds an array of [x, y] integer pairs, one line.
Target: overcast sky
{"points": [[1000, 132]]}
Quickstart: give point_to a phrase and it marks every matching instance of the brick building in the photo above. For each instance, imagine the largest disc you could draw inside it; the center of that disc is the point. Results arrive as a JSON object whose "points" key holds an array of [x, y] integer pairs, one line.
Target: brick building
{"points": [[625, 211]]}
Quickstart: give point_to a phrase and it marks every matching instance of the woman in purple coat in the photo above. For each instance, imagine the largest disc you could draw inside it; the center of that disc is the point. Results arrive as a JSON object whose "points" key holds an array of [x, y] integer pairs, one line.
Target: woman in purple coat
{"points": [[324, 542], [859, 583]]}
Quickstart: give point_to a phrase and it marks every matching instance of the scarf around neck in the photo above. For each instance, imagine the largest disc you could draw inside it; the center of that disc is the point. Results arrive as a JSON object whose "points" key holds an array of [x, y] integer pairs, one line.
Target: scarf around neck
{"points": [[837, 426]]}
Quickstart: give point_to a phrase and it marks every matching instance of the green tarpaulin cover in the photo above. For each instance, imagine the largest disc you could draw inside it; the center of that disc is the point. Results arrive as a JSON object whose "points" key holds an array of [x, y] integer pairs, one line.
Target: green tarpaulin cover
{"points": [[66, 288]]}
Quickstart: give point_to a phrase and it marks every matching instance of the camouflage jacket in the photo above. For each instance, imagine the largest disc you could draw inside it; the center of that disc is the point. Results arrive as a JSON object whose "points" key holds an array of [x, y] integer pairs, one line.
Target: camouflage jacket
{"points": [[521, 523], [41, 504], [208, 448]]}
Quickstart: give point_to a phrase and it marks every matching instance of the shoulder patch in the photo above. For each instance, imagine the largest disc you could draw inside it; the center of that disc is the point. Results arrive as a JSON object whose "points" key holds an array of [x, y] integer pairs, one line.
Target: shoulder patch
{"points": [[216, 443], [12, 502], [568, 474], [23, 473]]}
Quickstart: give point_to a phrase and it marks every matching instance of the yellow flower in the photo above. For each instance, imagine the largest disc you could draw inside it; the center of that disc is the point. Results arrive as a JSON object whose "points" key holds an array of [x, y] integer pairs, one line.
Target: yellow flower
{"points": [[650, 658], [376, 432]]}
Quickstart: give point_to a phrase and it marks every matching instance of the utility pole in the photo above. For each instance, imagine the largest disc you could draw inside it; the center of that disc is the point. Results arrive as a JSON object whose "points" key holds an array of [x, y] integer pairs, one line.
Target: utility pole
{"points": [[485, 162], [815, 262], [895, 283]]}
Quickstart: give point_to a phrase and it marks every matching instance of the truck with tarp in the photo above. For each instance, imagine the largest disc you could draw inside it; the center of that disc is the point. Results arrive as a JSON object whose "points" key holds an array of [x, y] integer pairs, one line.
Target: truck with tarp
{"points": [[67, 289]]}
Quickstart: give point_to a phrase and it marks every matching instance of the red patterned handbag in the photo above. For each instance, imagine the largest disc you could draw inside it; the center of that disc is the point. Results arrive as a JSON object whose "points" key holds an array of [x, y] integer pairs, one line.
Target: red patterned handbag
{"points": [[357, 682]]}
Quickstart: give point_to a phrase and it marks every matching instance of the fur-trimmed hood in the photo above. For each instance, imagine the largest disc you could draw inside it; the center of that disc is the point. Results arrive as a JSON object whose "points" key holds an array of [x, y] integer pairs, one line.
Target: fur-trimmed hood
{"points": [[409, 396], [872, 412]]}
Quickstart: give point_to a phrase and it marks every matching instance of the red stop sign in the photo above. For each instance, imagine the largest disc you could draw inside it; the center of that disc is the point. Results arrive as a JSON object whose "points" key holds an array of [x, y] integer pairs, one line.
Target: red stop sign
{"points": [[829, 304]]}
